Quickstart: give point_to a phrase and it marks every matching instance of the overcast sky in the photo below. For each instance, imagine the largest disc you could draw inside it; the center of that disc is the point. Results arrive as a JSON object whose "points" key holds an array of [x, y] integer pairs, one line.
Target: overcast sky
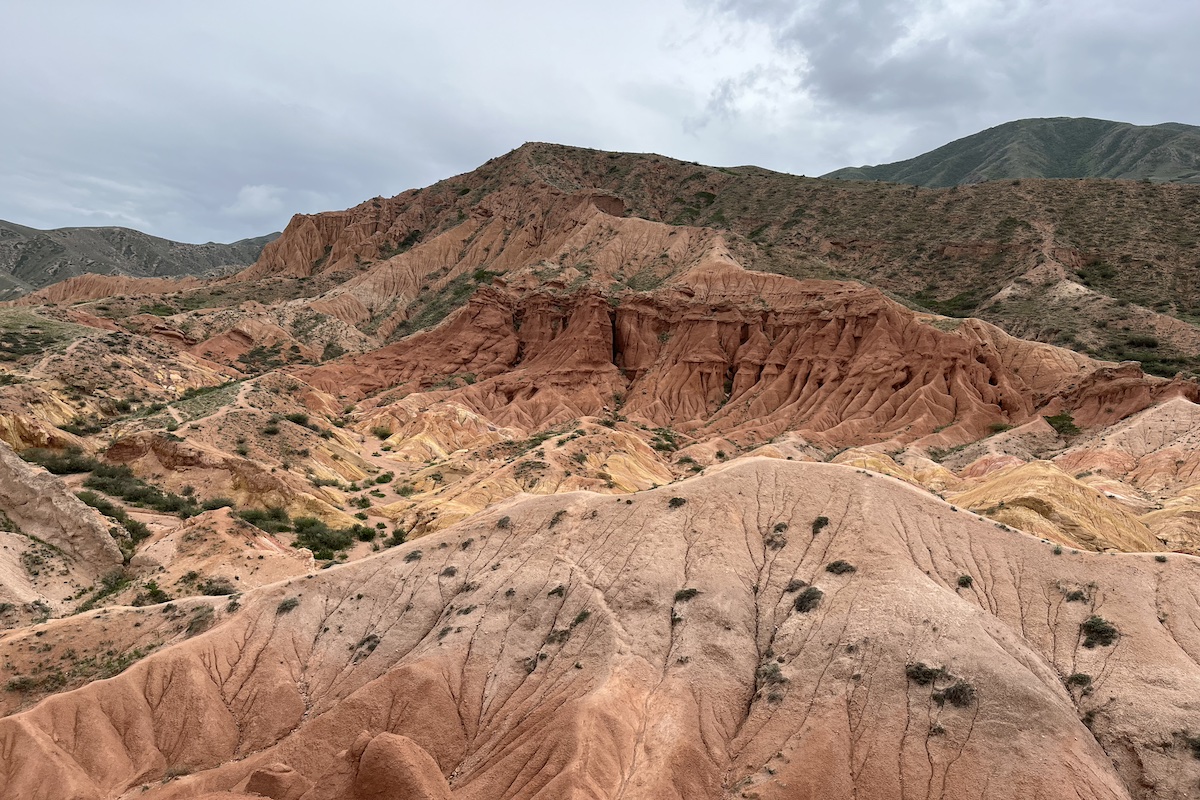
{"points": [[217, 120]]}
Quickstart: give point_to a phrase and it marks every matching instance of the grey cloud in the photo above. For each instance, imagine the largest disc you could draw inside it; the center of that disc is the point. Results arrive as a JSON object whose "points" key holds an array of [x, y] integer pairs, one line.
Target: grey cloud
{"points": [[218, 120]]}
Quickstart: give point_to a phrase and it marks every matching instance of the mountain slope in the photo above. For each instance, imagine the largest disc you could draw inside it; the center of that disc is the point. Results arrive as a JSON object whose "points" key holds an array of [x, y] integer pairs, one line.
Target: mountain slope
{"points": [[1058, 147], [700, 641], [1106, 268], [31, 258]]}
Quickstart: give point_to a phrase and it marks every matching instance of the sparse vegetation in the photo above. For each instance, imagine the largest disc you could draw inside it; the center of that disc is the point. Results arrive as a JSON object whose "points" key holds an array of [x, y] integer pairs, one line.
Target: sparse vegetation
{"points": [[288, 604], [840, 567], [1063, 423], [1098, 632], [808, 599], [70, 461]]}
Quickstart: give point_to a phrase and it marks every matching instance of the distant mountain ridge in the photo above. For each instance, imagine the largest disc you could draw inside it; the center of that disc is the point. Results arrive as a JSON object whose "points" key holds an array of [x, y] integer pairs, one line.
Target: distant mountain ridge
{"points": [[1057, 147], [32, 258]]}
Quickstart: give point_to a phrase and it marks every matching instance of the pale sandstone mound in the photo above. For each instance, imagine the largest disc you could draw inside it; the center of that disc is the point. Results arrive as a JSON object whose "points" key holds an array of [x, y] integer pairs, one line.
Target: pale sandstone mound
{"points": [[667, 646], [94, 287], [1043, 500], [1158, 449], [53, 544]]}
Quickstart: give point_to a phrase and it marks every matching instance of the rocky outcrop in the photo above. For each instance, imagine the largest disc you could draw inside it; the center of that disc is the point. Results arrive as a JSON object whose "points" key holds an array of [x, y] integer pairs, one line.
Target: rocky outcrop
{"points": [[42, 506]]}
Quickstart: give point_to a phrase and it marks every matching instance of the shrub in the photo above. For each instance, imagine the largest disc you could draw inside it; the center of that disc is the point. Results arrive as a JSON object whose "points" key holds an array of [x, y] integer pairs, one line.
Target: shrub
{"points": [[323, 540], [216, 502], [819, 523], [839, 567], [202, 620], [137, 530], [1079, 679], [1063, 423], [965, 581], [271, 520], [557, 518], [270, 429], [503, 523], [216, 586], [415, 555], [794, 585], [297, 418], [683, 595], [119, 481], [676, 502], [153, 595], [381, 432], [769, 674], [67, 463], [1160, 559], [1098, 631], [809, 599], [287, 605], [959, 694], [924, 675]]}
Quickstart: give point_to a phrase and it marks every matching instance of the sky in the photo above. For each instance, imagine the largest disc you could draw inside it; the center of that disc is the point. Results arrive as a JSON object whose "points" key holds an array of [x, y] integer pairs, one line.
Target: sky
{"points": [[217, 120]]}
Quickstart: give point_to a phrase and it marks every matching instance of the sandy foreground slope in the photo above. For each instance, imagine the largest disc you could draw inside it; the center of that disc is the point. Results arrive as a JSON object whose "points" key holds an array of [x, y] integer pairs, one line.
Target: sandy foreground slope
{"points": [[666, 645]]}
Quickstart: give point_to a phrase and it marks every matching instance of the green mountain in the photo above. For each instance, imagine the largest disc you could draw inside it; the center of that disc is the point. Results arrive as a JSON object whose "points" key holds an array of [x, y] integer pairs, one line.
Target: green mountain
{"points": [[1059, 147], [32, 258]]}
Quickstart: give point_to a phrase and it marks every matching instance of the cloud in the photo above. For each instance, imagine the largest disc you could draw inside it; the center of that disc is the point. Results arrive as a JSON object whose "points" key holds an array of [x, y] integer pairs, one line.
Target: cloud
{"points": [[220, 120], [257, 202]]}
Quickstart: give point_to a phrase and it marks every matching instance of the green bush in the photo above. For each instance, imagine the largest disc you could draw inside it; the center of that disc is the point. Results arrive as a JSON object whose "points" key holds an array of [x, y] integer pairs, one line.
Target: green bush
{"points": [[683, 595], [70, 462], [271, 520], [819, 523], [137, 530], [924, 675], [840, 567], [119, 481], [965, 581], [809, 599], [287, 605], [1097, 631], [216, 587], [1064, 423], [323, 540], [959, 694]]}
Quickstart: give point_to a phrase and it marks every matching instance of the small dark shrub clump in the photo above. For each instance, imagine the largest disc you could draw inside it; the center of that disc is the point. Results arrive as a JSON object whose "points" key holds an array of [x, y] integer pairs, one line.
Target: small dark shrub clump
{"points": [[1098, 631], [287, 605], [839, 567], [809, 599]]}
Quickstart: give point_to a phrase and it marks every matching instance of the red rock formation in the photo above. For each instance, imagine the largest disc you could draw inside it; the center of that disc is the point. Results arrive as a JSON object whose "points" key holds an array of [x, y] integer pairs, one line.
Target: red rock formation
{"points": [[94, 287]]}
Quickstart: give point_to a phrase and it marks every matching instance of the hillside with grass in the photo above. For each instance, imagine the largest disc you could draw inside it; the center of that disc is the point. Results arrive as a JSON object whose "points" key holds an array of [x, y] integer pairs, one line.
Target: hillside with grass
{"points": [[32, 258], [1059, 147]]}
